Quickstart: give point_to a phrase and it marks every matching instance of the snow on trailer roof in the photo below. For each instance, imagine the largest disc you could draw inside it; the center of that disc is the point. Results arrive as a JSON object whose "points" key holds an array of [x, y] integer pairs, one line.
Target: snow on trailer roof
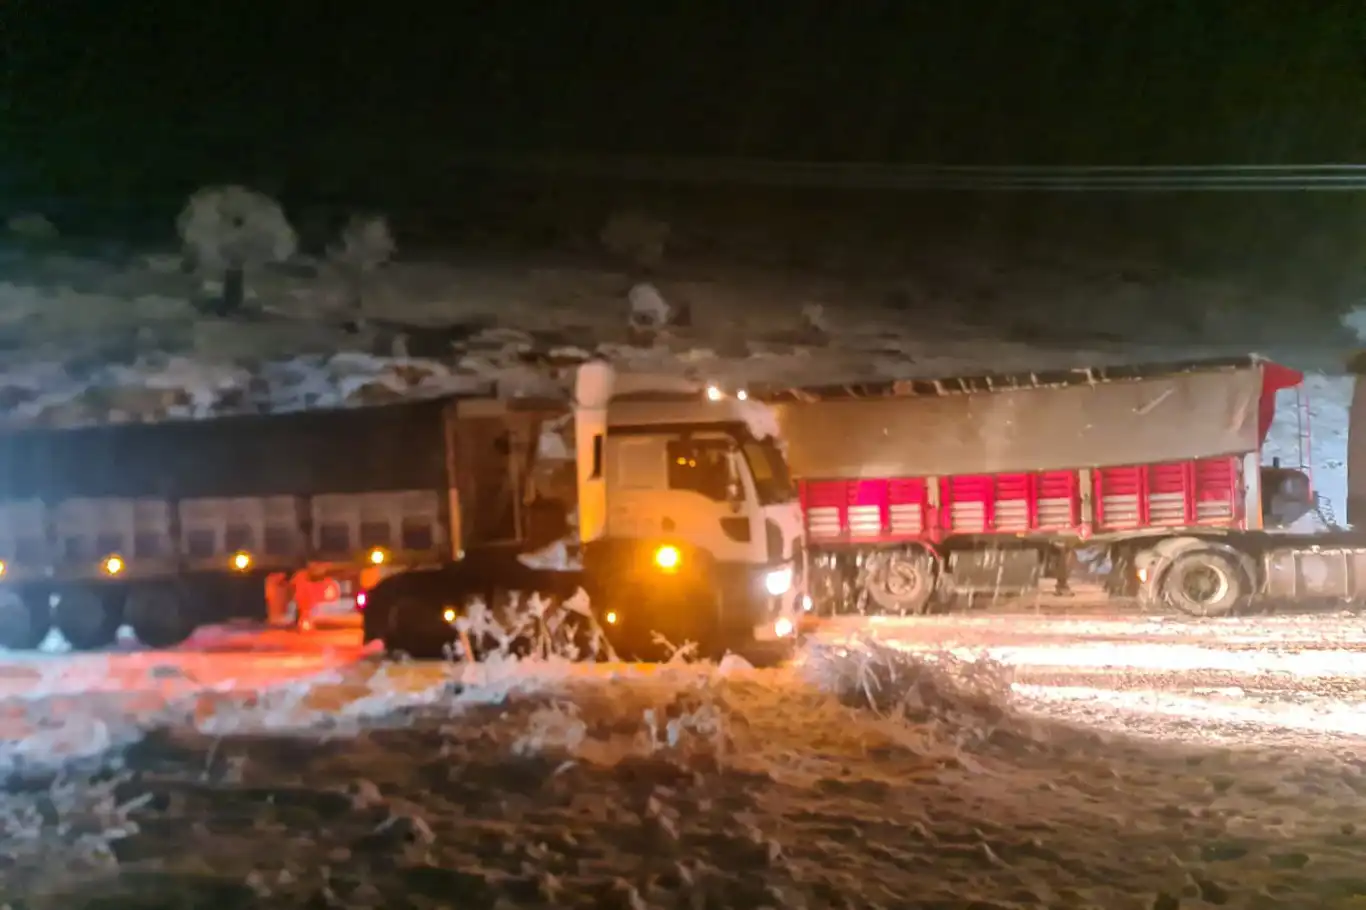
{"points": [[1278, 377]]}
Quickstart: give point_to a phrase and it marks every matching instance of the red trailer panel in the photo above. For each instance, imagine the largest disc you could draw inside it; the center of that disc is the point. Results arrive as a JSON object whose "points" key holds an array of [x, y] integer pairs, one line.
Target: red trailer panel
{"points": [[1206, 492]]}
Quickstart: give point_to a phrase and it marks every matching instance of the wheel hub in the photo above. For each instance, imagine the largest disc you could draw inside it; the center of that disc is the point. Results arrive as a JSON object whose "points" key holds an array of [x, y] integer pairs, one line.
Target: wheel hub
{"points": [[1204, 584], [902, 579]]}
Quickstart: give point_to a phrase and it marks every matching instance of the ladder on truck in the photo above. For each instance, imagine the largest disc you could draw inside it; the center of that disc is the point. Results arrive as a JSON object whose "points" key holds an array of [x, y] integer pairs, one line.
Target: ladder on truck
{"points": [[1305, 443]]}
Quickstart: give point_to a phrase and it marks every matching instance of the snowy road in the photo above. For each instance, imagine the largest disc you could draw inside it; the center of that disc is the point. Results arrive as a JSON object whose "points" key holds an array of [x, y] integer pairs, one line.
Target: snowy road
{"points": [[57, 707], [343, 782]]}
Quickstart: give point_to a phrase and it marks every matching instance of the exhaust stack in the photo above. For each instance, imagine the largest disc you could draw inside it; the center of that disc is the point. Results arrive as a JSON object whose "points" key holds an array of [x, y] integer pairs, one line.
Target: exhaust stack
{"points": [[1356, 445], [592, 392]]}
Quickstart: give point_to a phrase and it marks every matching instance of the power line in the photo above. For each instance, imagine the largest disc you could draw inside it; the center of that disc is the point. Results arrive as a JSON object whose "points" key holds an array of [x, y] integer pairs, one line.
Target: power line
{"points": [[946, 178], [838, 176]]}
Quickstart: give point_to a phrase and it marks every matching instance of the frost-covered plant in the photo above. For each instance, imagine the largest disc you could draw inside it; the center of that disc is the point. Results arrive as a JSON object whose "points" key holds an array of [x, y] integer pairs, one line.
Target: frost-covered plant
{"points": [[72, 826], [558, 726], [536, 626], [365, 246], [229, 230], [971, 698], [674, 717]]}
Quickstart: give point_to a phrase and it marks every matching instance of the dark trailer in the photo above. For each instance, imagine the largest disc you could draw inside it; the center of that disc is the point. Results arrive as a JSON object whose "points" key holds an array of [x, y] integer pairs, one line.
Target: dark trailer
{"points": [[168, 525]]}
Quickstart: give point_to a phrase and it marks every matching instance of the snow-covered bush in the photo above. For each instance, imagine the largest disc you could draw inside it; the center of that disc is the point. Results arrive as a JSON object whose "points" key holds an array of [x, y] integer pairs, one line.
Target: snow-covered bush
{"points": [[969, 698], [229, 230], [1354, 320], [649, 309], [72, 825], [650, 312], [365, 246], [814, 319], [677, 714], [31, 226], [636, 237]]}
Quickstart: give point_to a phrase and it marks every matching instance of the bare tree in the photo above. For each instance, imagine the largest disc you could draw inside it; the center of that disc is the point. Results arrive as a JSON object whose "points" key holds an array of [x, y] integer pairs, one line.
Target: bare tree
{"points": [[229, 230]]}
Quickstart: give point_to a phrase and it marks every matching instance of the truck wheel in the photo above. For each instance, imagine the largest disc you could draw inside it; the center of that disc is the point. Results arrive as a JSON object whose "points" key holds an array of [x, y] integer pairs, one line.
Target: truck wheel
{"points": [[409, 624], [1122, 579], [88, 619], [1204, 583], [159, 616], [739, 641], [24, 621], [900, 582]]}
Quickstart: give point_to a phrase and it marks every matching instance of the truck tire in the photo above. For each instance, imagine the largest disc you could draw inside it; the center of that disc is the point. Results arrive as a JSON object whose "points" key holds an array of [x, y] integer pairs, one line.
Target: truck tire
{"points": [[736, 640], [1204, 583], [25, 620], [159, 615], [900, 582], [1122, 579], [408, 629], [88, 618]]}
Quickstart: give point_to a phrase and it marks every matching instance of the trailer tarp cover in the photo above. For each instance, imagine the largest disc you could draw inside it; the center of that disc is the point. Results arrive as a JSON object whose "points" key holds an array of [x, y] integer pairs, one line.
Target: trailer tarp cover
{"points": [[1164, 418]]}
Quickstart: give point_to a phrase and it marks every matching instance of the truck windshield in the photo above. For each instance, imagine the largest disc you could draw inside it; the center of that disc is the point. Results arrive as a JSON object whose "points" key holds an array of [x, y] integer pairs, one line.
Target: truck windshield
{"points": [[772, 481]]}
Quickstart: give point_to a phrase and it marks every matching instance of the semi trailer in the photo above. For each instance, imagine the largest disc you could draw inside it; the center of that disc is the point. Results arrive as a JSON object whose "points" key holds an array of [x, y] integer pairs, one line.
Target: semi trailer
{"points": [[916, 492], [677, 509]]}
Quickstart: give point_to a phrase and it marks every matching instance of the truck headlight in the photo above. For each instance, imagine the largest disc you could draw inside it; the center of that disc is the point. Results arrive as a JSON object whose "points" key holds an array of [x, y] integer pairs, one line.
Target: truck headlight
{"points": [[778, 581], [667, 558]]}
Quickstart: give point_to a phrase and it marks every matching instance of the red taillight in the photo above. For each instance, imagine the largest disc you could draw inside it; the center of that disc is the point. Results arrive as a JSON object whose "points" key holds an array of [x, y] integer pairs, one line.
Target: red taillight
{"points": [[360, 601]]}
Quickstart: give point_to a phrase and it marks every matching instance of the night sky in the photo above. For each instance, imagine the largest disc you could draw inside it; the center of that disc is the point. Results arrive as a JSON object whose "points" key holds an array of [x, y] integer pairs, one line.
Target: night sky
{"points": [[128, 103]]}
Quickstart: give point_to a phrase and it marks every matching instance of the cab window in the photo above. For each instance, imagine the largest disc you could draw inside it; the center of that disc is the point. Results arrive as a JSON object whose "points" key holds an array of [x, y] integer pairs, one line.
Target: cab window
{"points": [[772, 482], [700, 466]]}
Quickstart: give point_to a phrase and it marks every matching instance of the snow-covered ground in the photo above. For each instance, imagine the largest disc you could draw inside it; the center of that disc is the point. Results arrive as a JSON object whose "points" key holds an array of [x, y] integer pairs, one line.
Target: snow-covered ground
{"points": [[887, 767], [57, 708]]}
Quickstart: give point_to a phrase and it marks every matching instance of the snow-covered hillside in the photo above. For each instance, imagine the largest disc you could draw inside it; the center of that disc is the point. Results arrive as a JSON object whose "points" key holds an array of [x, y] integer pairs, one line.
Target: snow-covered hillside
{"points": [[86, 339]]}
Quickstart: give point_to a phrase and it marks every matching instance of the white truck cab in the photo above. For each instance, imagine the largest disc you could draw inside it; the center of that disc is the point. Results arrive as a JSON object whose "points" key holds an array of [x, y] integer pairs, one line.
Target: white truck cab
{"points": [[684, 473]]}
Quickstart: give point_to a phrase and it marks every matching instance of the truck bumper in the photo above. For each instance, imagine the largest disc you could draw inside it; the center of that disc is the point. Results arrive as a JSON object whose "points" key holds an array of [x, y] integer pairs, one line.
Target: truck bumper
{"points": [[763, 602]]}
